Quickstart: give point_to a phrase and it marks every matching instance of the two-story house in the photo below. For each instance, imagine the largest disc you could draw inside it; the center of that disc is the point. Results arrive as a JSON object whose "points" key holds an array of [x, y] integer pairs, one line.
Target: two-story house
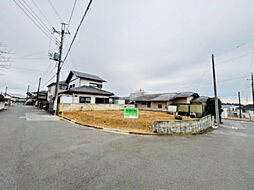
{"points": [[84, 88]]}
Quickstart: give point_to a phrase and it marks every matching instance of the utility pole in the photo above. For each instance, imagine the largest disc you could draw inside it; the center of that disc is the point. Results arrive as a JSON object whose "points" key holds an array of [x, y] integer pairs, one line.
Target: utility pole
{"points": [[240, 106], [5, 90], [217, 113], [38, 90], [27, 92], [62, 33]]}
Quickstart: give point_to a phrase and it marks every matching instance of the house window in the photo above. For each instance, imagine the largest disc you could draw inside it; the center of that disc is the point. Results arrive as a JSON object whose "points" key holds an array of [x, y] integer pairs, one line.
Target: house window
{"points": [[159, 106], [148, 104], [62, 87], [101, 100], [73, 86], [83, 99], [95, 85], [143, 103]]}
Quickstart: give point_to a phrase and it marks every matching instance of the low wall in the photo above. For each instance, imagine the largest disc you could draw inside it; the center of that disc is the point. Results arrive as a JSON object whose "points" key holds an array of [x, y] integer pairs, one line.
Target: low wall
{"points": [[78, 107], [183, 127]]}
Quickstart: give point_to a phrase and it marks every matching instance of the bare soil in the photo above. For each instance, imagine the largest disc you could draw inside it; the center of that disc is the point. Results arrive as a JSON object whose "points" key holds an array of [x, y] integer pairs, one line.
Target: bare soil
{"points": [[115, 119]]}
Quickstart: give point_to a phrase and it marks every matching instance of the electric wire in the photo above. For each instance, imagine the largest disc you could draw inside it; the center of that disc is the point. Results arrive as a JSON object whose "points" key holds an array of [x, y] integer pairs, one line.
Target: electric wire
{"points": [[35, 23], [72, 11], [54, 9], [235, 47], [45, 17], [28, 13], [36, 16], [235, 58], [33, 16], [75, 35], [29, 55]]}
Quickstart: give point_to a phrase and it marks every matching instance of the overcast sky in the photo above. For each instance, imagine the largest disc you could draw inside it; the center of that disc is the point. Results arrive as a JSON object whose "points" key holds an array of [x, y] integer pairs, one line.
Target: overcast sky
{"points": [[159, 46]]}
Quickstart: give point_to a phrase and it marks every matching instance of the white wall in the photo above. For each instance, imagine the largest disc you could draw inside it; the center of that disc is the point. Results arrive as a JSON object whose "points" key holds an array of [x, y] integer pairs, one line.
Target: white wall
{"points": [[75, 98], [85, 106], [87, 82], [1, 105], [80, 82], [75, 81]]}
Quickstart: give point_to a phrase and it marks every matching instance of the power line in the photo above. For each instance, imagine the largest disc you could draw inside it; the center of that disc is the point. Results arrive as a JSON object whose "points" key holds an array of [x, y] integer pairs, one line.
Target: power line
{"points": [[54, 9], [36, 16], [34, 19], [48, 74], [74, 5], [48, 81], [38, 26], [45, 17], [75, 35], [29, 55], [235, 47], [235, 58], [27, 8]]}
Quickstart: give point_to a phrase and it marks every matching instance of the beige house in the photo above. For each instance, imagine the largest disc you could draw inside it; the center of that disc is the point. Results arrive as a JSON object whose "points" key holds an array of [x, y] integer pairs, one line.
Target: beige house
{"points": [[163, 100]]}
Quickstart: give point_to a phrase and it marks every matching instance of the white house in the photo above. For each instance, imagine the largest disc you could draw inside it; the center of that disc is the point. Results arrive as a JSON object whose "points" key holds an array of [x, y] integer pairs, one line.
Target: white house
{"points": [[84, 88]]}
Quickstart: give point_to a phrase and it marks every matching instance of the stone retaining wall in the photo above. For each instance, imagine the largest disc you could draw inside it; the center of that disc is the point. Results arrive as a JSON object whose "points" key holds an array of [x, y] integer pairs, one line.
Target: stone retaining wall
{"points": [[183, 127]]}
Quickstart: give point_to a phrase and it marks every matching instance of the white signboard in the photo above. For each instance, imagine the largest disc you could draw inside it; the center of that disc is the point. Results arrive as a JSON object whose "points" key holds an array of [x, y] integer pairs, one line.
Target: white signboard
{"points": [[172, 108]]}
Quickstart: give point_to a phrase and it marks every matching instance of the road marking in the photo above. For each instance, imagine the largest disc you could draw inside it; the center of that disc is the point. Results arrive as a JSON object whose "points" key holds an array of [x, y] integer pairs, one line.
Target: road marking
{"points": [[40, 117]]}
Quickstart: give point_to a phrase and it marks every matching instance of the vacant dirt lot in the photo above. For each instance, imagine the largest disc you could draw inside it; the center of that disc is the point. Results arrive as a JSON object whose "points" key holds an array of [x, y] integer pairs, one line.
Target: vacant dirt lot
{"points": [[115, 119]]}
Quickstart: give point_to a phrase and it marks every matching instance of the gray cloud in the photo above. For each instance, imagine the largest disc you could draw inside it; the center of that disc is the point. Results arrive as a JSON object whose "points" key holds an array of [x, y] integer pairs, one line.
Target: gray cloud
{"points": [[159, 46]]}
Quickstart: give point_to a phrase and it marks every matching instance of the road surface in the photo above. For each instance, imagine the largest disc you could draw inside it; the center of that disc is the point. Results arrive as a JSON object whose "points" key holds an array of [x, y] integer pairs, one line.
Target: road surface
{"points": [[39, 151]]}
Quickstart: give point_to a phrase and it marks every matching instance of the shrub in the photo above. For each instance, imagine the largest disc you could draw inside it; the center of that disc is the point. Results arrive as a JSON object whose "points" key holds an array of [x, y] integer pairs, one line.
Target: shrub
{"points": [[178, 117]]}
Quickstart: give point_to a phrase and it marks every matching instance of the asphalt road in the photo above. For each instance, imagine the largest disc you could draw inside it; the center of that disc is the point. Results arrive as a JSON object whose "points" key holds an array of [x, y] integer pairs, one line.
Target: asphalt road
{"points": [[38, 151]]}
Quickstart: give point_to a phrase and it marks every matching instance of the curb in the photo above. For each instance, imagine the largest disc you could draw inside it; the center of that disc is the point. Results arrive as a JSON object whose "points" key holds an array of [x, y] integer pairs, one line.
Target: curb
{"points": [[237, 120]]}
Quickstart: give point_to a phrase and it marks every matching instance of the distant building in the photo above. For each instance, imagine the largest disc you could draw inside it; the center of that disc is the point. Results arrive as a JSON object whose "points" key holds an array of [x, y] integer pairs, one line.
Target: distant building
{"points": [[184, 103], [52, 89], [163, 100], [247, 111]]}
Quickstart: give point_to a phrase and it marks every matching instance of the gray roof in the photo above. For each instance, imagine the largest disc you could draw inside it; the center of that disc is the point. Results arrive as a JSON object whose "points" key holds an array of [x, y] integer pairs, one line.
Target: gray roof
{"points": [[54, 83], [165, 96], [248, 107], [87, 90], [84, 76], [200, 99]]}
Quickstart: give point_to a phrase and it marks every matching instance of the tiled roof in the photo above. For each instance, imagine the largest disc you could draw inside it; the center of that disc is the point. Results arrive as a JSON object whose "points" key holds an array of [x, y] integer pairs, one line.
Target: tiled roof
{"points": [[84, 76], [165, 96], [88, 90]]}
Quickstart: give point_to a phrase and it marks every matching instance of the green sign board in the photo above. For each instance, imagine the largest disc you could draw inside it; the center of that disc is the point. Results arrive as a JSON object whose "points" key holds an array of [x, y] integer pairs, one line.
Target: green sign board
{"points": [[130, 112]]}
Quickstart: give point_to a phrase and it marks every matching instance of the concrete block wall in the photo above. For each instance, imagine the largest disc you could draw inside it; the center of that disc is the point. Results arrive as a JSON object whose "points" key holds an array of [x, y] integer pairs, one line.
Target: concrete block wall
{"points": [[183, 127], [82, 107], [1, 105]]}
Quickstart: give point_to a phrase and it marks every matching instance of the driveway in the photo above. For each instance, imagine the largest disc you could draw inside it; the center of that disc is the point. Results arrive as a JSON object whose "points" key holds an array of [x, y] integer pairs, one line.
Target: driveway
{"points": [[39, 151]]}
